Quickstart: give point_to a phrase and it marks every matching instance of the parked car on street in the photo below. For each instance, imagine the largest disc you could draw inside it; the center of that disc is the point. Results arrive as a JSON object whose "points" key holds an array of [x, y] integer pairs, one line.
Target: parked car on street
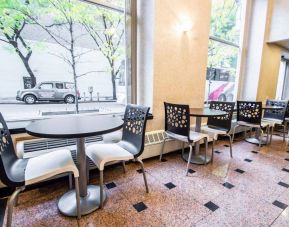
{"points": [[49, 91]]}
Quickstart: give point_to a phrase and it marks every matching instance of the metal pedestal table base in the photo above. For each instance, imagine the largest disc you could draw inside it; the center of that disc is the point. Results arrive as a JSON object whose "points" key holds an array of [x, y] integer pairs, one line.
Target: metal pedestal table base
{"points": [[255, 141], [196, 159], [88, 204]]}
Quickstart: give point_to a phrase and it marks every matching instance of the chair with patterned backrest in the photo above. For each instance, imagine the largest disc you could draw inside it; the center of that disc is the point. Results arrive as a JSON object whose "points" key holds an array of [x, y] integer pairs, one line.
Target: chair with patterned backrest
{"points": [[276, 117], [249, 114], [18, 173], [220, 125], [130, 147], [177, 126]]}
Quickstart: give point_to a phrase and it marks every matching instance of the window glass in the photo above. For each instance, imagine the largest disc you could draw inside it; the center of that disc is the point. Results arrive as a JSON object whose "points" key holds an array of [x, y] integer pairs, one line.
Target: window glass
{"points": [[59, 85], [223, 52], [46, 86], [67, 41]]}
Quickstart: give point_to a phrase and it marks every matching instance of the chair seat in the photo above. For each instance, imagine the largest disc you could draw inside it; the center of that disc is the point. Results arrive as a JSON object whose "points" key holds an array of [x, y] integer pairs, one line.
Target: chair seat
{"points": [[213, 132], [194, 136], [263, 124], [48, 165], [272, 121], [103, 153]]}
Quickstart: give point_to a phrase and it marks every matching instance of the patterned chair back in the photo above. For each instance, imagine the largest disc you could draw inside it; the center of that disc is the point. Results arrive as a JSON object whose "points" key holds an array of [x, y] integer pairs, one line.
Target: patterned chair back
{"points": [[249, 112], [177, 119], [223, 122], [276, 114], [11, 168], [134, 126]]}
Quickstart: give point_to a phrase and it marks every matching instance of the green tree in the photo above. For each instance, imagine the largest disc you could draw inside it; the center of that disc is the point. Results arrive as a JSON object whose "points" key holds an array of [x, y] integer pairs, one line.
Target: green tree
{"points": [[224, 26], [12, 24], [60, 20], [106, 28]]}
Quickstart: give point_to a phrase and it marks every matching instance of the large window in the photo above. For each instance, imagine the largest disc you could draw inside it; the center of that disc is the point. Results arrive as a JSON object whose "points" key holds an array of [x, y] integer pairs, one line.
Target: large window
{"points": [[224, 50], [61, 55]]}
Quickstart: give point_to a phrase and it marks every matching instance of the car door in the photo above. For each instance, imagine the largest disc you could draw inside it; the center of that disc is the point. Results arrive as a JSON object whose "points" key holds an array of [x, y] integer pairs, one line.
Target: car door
{"points": [[46, 91], [59, 90]]}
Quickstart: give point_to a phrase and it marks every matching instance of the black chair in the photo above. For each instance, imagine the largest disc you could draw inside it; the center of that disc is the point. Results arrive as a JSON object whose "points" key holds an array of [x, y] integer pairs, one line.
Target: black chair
{"points": [[130, 147], [276, 117], [18, 173], [177, 126], [249, 114], [220, 125]]}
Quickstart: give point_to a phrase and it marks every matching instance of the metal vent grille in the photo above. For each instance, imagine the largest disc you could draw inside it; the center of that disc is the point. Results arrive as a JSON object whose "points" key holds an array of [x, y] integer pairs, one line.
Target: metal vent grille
{"points": [[154, 137], [46, 144]]}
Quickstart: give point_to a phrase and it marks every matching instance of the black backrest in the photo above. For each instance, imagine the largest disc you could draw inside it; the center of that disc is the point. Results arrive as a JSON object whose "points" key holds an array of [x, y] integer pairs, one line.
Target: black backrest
{"points": [[134, 126], [250, 112], [10, 175], [276, 114], [222, 121], [177, 119]]}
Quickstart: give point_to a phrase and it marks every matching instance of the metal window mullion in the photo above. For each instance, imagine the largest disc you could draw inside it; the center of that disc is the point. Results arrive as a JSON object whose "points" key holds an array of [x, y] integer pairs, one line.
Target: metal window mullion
{"points": [[224, 41]]}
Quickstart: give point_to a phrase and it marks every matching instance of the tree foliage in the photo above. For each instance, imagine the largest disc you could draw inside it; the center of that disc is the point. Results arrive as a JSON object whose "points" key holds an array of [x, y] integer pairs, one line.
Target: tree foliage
{"points": [[225, 25], [12, 24]]}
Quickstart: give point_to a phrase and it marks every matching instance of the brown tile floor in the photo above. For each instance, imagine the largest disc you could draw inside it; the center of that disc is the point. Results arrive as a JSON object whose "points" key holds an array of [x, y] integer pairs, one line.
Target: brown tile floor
{"points": [[248, 202]]}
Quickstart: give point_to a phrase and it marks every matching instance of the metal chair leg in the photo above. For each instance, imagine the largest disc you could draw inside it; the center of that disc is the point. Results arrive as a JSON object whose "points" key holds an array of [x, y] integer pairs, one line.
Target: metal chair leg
{"points": [[206, 149], [70, 181], [189, 159], [213, 149], [144, 174], [76, 180], [11, 203], [231, 149], [284, 131], [233, 133], [123, 166], [101, 188], [261, 138], [267, 131], [163, 147]]}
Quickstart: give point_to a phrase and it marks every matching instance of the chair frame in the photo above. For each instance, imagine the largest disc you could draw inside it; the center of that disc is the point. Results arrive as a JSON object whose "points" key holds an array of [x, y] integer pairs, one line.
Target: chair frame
{"points": [[14, 177], [184, 129], [223, 122]]}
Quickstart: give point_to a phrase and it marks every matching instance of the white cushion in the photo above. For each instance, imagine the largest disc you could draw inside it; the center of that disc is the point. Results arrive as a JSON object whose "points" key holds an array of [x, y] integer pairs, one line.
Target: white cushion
{"points": [[272, 121], [213, 132], [48, 165], [263, 124], [194, 136], [103, 153]]}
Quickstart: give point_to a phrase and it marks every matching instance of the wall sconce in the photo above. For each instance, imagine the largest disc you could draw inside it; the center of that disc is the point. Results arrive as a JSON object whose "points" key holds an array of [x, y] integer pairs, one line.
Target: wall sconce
{"points": [[186, 25]]}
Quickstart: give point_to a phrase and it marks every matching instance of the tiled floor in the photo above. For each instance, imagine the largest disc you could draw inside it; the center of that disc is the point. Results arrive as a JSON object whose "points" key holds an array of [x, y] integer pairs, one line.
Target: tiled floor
{"points": [[228, 192]]}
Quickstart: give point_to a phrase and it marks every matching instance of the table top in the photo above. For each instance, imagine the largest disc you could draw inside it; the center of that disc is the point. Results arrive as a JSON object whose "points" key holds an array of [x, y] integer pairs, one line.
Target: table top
{"points": [[76, 126], [206, 112]]}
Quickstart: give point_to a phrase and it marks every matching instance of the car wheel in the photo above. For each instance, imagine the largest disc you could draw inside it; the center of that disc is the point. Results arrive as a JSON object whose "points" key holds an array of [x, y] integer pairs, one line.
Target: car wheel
{"points": [[69, 99], [222, 98], [29, 99]]}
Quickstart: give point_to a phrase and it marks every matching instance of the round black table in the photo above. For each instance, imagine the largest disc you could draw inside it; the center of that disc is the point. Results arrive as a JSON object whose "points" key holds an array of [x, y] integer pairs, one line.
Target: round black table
{"points": [[256, 139], [199, 113], [79, 127]]}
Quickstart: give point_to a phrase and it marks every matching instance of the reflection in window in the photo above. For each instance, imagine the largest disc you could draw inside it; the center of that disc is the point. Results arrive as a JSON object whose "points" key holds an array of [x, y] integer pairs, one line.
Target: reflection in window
{"points": [[223, 50]]}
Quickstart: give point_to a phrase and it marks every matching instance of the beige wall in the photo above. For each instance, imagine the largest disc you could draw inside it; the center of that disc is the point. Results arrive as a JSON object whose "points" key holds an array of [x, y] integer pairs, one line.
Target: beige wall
{"points": [[270, 64], [180, 58]]}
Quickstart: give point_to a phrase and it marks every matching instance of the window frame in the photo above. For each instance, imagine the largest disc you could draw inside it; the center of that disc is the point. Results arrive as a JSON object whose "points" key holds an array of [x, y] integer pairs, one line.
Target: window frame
{"points": [[240, 46]]}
